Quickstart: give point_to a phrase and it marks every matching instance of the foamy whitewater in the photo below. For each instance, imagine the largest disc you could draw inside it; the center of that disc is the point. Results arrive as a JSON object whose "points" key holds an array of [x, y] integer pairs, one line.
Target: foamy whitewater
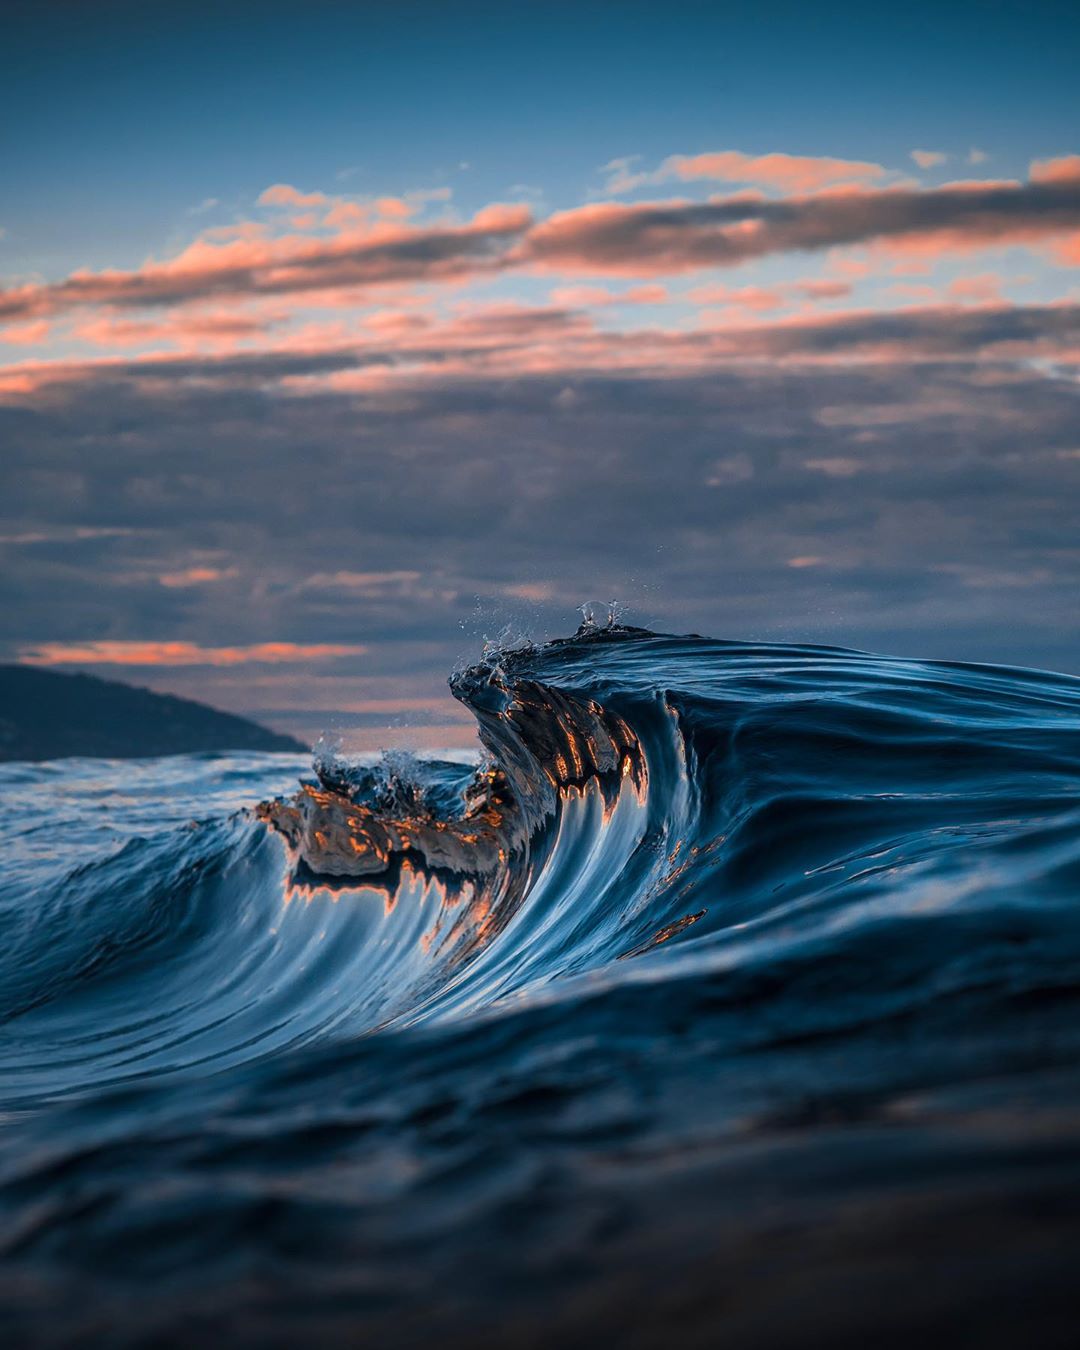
{"points": [[730, 999]]}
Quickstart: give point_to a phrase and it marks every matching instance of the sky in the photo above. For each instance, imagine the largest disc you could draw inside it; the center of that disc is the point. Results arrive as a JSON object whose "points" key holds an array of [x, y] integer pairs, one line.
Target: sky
{"points": [[338, 338]]}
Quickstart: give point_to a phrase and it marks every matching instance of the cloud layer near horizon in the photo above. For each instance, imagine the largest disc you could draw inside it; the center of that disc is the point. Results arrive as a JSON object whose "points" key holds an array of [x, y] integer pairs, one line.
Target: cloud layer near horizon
{"points": [[367, 250], [280, 468]]}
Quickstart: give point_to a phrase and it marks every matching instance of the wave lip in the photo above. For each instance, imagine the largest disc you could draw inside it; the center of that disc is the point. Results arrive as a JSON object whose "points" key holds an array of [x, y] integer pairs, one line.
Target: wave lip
{"points": [[642, 791]]}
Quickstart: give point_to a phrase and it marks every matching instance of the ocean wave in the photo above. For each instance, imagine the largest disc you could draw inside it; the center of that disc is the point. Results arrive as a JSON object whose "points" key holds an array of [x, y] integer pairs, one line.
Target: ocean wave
{"points": [[693, 893]]}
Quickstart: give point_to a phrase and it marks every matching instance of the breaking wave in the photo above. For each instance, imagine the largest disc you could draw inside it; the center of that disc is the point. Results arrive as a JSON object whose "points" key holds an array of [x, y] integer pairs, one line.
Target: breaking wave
{"points": [[703, 915]]}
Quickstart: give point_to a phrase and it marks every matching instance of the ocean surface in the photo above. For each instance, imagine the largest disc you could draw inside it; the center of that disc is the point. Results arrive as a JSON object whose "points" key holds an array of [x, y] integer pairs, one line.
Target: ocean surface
{"points": [[731, 998]]}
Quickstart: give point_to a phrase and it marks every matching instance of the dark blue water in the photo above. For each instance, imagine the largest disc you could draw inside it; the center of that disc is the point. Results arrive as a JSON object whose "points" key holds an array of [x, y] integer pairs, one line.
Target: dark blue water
{"points": [[731, 998]]}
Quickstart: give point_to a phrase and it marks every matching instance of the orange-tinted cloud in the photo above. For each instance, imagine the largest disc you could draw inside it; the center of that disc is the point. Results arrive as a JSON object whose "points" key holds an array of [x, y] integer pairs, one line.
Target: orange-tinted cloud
{"points": [[761, 299], [778, 171], [660, 238], [598, 297], [757, 298], [281, 194], [195, 576], [928, 159], [824, 289], [1064, 169], [641, 240], [222, 329], [26, 334], [375, 256], [180, 653], [788, 173], [1067, 252], [984, 289], [362, 583], [515, 342]]}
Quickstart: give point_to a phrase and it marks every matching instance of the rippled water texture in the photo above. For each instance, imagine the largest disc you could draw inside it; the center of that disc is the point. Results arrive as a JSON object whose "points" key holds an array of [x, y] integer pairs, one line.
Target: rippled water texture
{"points": [[730, 999]]}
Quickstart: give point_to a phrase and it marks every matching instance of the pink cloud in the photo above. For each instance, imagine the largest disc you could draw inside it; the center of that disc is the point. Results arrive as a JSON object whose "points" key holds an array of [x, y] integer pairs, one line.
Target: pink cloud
{"points": [[789, 173], [824, 289], [222, 329], [856, 268], [779, 171], [762, 299], [928, 159], [661, 238], [537, 591], [1064, 169], [281, 194], [598, 297], [582, 297], [907, 291], [390, 322], [646, 295], [743, 297], [366, 583], [640, 241], [507, 341], [347, 215], [394, 208], [984, 289], [291, 264], [195, 576], [180, 653], [26, 334], [1067, 252]]}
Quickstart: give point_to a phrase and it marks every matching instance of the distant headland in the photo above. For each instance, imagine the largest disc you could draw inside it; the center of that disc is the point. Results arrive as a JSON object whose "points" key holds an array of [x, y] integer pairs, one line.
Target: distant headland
{"points": [[46, 715]]}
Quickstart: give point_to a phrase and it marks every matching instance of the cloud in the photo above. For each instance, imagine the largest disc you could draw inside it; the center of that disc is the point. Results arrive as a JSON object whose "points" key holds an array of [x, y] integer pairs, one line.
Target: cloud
{"points": [[788, 173], [783, 172], [824, 289], [766, 298], [1064, 169], [1067, 252], [237, 521], [599, 297], [281, 194], [29, 334], [223, 328], [985, 288], [514, 341], [648, 484], [929, 159], [180, 653], [758, 298], [662, 238], [196, 576], [363, 583], [255, 266], [536, 464], [641, 240]]}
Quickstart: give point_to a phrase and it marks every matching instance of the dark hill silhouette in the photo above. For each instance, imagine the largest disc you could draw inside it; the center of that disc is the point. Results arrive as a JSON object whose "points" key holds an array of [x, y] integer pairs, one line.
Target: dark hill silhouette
{"points": [[46, 715]]}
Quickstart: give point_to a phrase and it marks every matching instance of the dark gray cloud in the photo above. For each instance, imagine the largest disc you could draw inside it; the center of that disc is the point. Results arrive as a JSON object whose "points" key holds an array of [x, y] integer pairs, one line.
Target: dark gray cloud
{"points": [[483, 341], [923, 507], [657, 239]]}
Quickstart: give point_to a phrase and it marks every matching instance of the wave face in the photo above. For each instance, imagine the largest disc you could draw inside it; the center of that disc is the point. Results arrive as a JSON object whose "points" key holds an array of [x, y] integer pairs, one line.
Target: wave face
{"points": [[729, 969]]}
